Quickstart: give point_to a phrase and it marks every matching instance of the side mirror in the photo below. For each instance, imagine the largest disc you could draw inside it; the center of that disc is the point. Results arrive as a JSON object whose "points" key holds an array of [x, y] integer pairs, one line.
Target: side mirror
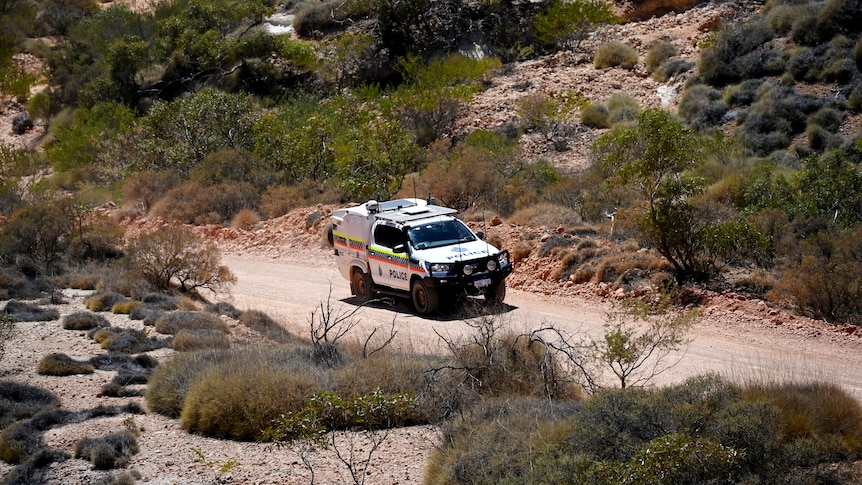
{"points": [[400, 248], [480, 235]]}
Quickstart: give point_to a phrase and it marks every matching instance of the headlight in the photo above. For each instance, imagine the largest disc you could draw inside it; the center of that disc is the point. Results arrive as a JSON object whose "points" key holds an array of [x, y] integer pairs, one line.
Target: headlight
{"points": [[468, 269], [492, 265], [440, 267]]}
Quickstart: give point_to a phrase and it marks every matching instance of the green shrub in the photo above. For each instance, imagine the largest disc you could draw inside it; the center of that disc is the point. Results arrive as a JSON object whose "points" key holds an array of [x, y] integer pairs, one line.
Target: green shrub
{"points": [[20, 401], [595, 116], [615, 54], [744, 93], [227, 166], [103, 301], [673, 68], [701, 107], [171, 323], [392, 375], [186, 340], [238, 402], [736, 54], [566, 24], [25, 312], [820, 422], [313, 19], [659, 53], [498, 441], [57, 364], [622, 107], [170, 382], [777, 114], [827, 118], [113, 450], [84, 320]]}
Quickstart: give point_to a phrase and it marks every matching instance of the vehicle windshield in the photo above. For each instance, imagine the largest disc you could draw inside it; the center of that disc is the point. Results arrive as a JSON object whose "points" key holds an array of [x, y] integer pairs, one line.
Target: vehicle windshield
{"points": [[439, 233]]}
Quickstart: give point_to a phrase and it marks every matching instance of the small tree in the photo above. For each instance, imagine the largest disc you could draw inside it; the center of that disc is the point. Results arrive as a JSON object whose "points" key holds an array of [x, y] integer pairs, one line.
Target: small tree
{"points": [[38, 234], [652, 159], [173, 255], [639, 337]]}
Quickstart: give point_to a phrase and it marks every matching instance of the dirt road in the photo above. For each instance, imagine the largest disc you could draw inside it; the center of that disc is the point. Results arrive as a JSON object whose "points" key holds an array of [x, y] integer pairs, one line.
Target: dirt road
{"points": [[739, 339]]}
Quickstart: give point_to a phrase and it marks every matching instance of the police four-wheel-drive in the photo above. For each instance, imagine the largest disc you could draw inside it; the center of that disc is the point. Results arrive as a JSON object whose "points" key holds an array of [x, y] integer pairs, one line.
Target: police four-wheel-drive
{"points": [[408, 247]]}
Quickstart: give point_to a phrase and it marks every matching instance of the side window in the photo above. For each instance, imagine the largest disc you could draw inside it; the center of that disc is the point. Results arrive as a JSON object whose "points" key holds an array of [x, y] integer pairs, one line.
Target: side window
{"points": [[388, 236]]}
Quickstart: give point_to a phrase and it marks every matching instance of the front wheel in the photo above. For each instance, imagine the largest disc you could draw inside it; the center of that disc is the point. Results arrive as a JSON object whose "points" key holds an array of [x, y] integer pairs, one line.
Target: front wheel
{"points": [[360, 285], [426, 300], [496, 293]]}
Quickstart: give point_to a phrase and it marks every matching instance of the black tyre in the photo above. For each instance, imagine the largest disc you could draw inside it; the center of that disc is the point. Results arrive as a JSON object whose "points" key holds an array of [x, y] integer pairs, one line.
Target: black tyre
{"points": [[426, 300], [496, 293], [360, 285]]}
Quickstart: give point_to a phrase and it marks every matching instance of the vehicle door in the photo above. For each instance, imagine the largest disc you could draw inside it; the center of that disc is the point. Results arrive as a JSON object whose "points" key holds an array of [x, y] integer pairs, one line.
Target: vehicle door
{"points": [[387, 257]]}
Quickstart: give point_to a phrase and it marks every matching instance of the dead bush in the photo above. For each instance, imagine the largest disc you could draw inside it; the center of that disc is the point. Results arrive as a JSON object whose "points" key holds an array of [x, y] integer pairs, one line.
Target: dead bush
{"points": [[84, 320], [103, 301], [572, 260], [192, 203], [113, 450], [823, 280], [617, 268], [188, 340], [26, 312], [521, 251], [62, 365], [143, 189], [545, 214], [171, 323], [174, 255], [19, 401], [245, 219]]}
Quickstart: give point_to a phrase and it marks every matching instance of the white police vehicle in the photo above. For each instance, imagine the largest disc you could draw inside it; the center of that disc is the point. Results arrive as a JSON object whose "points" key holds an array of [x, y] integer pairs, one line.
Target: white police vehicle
{"points": [[408, 247]]}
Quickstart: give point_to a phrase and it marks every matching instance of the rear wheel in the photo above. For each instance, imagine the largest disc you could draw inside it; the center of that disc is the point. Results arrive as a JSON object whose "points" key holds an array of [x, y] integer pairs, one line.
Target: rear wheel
{"points": [[496, 293], [426, 300], [360, 285]]}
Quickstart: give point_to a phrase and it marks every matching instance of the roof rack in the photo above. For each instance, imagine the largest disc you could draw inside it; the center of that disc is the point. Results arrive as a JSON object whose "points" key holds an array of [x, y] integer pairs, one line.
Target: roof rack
{"points": [[415, 212]]}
